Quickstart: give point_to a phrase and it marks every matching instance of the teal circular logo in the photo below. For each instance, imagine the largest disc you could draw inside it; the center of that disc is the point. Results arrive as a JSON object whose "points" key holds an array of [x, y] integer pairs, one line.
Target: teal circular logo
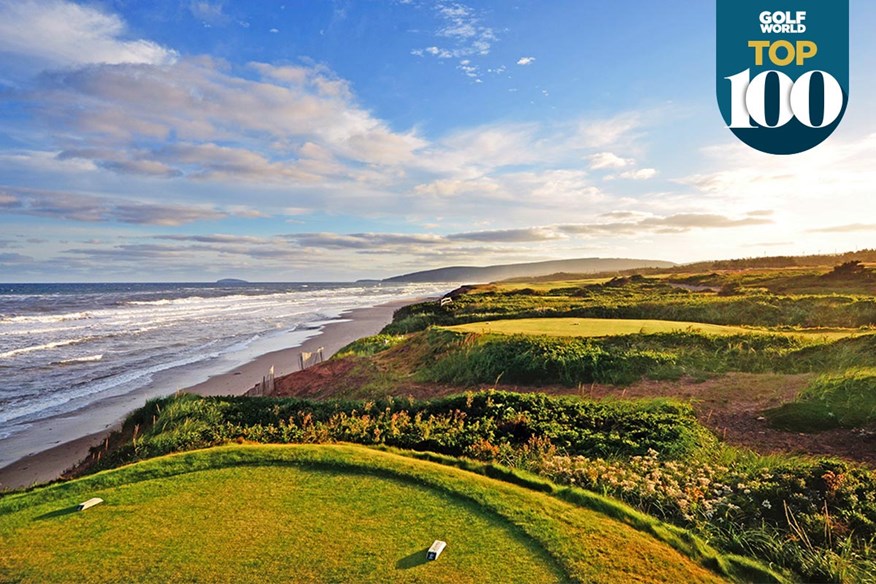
{"points": [[783, 71]]}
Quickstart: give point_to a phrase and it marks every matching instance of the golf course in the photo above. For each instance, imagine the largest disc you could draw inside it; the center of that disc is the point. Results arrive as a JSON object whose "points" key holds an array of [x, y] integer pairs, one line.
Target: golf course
{"points": [[607, 327], [322, 513]]}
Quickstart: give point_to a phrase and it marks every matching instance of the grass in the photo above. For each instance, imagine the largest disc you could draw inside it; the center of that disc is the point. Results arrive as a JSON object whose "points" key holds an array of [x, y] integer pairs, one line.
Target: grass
{"points": [[367, 346], [606, 327], [544, 284], [448, 356], [654, 298], [804, 280], [319, 514], [841, 400]]}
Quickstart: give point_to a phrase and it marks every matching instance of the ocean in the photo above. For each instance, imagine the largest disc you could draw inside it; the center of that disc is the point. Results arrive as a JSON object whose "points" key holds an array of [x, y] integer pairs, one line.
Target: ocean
{"points": [[66, 347]]}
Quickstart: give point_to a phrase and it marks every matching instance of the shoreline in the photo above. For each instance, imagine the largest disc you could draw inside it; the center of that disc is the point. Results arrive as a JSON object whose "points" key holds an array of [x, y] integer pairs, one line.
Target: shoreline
{"points": [[49, 464]]}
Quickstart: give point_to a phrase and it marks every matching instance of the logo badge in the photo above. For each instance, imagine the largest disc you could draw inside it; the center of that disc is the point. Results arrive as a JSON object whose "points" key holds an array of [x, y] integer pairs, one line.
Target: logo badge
{"points": [[783, 71]]}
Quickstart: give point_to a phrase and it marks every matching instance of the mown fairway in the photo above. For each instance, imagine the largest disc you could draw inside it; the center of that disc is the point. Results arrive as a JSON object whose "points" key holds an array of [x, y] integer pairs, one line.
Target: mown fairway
{"points": [[607, 327], [316, 514]]}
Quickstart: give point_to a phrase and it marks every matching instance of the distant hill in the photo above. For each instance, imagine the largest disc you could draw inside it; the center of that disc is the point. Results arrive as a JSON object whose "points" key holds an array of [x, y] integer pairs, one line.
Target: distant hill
{"points": [[231, 282], [480, 275], [865, 256], [811, 261]]}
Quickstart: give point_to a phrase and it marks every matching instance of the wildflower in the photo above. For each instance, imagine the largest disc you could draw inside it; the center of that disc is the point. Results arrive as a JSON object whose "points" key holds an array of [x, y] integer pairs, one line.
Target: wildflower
{"points": [[766, 504]]}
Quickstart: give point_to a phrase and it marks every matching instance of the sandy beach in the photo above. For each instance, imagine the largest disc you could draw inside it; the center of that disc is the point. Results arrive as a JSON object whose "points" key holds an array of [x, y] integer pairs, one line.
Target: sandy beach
{"points": [[48, 465]]}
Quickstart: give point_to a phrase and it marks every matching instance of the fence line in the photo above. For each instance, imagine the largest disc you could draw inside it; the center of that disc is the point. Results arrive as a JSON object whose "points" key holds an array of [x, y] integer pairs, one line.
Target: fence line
{"points": [[306, 359], [266, 386]]}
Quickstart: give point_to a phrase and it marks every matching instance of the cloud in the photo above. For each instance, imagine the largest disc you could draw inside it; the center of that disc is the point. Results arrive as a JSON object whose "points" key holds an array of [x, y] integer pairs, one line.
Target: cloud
{"points": [[641, 174], [671, 224], [61, 34], [466, 35], [9, 201], [851, 228], [603, 160], [620, 129], [677, 223], [296, 137], [89, 208], [417, 242], [462, 25], [220, 239], [544, 189], [525, 60], [129, 252], [12, 259], [300, 131], [141, 167], [211, 13], [363, 240], [305, 117], [527, 235], [829, 185], [471, 71], [486, 147], [377, 253], [704, 221], [451, 188]]}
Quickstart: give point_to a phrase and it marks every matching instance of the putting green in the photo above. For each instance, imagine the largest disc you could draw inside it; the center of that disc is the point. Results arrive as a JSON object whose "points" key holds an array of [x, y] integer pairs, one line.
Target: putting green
{"points": [[607, 327]]}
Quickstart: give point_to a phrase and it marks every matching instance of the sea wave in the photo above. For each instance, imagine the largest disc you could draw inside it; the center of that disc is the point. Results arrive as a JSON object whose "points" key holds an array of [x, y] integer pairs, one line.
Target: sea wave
{"points": [[54, 347], [130, 381], [86, 359], [46, 318], [44, 347]]}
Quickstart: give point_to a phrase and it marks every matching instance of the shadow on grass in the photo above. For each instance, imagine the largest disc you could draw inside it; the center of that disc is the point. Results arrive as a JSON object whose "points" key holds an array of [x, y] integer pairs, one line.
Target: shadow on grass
{"points": [[417, 558], [57, 513]]}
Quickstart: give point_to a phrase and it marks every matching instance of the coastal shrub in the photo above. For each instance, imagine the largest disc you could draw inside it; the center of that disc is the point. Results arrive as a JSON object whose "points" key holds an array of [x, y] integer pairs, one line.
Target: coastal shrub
{"points": [[827, 509], [368, 346], [419, 316], [451, 357], [844, 400], [517, 426], [543, 360]]}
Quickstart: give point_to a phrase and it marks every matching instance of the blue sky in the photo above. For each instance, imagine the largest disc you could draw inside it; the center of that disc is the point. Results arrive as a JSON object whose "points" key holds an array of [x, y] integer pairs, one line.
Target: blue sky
{"points": [[312, 140]]}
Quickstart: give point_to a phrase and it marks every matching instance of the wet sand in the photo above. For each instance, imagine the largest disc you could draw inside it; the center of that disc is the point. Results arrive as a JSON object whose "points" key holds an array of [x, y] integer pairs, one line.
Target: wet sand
{"points": [[48, 465]]}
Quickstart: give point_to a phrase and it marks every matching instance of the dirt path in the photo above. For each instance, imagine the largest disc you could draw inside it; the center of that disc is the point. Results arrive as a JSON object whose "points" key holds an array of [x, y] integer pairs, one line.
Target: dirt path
{"points": [[731, 405]]}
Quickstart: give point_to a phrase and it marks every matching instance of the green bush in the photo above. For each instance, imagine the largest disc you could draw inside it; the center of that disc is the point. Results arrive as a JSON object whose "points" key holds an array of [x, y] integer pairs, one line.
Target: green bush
{"points": [[450, 357], [516, 425], [816, 518], [543, 360], [367, 346], [844, 400]]}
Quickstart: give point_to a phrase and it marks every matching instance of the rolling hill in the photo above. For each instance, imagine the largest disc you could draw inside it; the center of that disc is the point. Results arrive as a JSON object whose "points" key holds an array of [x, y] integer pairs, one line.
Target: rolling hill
{"points": [[327, 514], [470, 274]]}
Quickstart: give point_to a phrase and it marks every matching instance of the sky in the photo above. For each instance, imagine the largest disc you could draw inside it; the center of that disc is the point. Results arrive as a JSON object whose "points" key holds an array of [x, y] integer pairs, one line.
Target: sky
{"points": [[317, 140]]}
